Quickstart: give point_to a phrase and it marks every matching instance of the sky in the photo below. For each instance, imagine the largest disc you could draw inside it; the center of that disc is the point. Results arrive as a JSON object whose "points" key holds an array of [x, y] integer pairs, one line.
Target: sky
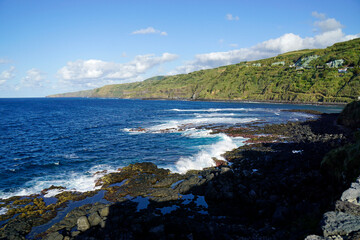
{"points": [[56, 46]]}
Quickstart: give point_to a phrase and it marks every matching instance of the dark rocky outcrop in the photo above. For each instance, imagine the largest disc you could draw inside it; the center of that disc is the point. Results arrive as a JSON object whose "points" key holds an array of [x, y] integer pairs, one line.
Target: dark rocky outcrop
{"points": [[350, 116]]}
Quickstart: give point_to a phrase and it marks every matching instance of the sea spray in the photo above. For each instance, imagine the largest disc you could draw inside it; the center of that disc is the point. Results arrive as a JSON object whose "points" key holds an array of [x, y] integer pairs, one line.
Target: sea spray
{"points": [[3, 211], [72, 181], [194, 122], [205, 157]]}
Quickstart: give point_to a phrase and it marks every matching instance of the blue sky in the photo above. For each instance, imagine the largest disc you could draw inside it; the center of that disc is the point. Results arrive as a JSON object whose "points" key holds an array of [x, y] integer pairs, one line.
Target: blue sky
{"points": [[56, 46]]}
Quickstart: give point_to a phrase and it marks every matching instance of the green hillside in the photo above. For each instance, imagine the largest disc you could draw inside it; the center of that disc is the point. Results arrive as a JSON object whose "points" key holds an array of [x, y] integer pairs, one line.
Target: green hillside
{"points": [[310, 75]]}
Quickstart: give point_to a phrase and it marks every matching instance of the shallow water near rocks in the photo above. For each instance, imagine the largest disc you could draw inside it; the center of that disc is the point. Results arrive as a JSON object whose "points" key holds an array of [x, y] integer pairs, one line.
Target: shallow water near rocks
{"points": [[69, 142], [97, 198]]}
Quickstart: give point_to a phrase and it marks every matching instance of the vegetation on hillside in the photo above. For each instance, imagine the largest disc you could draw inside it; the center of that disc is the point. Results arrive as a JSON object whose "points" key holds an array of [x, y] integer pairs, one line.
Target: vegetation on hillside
{"points": [[299, 76]]}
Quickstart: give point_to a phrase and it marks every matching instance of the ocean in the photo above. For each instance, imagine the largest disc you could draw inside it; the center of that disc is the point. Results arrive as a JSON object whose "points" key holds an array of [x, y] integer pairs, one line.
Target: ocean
{"points": [[69, 142]]}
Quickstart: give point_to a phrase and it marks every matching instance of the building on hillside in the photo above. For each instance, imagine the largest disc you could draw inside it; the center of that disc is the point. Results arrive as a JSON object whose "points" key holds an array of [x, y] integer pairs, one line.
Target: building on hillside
{"points": [[335, 63], [278, 63], [342, 70], [305, 61]]}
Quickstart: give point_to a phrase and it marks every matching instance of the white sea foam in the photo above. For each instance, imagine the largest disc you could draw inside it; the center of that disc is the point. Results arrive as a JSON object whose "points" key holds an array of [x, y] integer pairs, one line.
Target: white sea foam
{"points": [[81, 182], [175, 125], [227, 110], [204, 115], [204, 158], [134, 130], [71, 156], [209, 110], [185, 124], [302, 115], [53, 192], [172, 124], [3, 211], [198, 133]]}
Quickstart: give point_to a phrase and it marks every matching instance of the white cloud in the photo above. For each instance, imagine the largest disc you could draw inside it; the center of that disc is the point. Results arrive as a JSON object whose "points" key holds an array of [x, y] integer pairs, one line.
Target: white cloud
{"points": [[330, 33], [230, 17], [233, 45], [149, 30], [34, 78], [96, 73], [321, 16], [6, 75], [4, 61], [328, 25]]}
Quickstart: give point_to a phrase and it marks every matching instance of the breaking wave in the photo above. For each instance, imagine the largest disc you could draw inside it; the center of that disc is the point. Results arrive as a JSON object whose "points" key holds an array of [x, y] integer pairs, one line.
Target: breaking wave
{"points": [[74, 181], [205, 157]]}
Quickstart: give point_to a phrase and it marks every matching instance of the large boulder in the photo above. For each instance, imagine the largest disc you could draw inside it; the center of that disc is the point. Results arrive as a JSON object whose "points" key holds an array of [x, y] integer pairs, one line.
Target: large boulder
{"points": [[347, 207], [104, 212], [353, 193], [83, 223], [94, 219], [339, 223]]}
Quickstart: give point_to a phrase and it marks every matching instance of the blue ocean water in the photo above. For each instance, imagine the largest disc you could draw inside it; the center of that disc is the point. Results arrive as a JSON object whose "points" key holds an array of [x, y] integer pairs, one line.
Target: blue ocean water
{"points": [[69, 142]]}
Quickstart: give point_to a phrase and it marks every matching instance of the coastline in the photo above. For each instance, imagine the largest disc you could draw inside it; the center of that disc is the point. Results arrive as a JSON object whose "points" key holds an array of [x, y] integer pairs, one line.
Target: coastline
{"points": [[224, 100], [250, 101], [205, 194]]}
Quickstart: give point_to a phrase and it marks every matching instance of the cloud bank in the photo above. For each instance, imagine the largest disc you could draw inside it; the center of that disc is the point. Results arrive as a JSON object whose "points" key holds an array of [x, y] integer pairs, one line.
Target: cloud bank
{"points": [[329, 31], [95, 73]]}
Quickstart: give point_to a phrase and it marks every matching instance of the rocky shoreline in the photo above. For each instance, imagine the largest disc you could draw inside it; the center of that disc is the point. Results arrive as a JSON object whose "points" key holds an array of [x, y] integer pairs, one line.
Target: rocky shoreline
{"points": [[273, 188]]}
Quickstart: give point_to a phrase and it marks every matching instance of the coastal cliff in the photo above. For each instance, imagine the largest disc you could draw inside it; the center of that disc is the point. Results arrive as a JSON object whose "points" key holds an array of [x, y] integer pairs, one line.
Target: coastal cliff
{"points": [[312, 76]]}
